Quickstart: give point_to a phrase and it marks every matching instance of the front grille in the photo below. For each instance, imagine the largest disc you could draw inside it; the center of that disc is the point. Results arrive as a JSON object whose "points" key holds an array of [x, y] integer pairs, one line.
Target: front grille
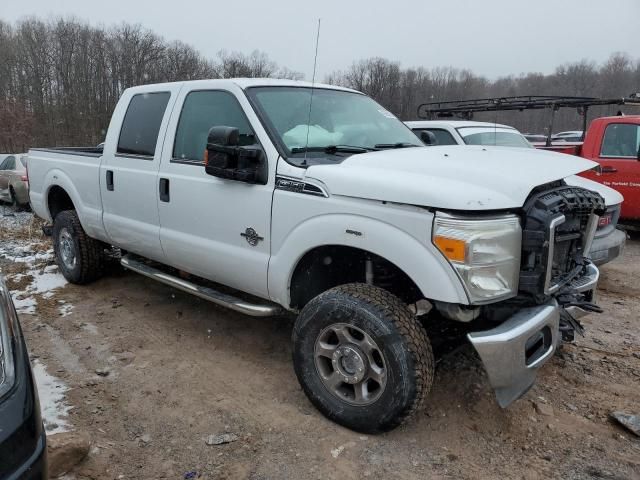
{"points": [[557, 228]]}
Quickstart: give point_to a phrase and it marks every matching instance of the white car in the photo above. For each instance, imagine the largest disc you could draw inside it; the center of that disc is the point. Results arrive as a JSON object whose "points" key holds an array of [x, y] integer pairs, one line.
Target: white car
{"points": [[461, 132], [340, 217], [609, 242]]}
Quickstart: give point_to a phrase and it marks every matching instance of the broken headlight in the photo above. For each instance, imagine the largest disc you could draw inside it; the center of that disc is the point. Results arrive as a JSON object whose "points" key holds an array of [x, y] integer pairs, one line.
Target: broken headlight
{"points": [[485, 252], [8, 330]]}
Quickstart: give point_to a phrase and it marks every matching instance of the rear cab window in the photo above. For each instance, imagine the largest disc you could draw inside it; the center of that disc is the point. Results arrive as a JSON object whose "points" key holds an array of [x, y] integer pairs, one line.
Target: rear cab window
{"points": [[202, 110], [621, 140], [141, 125]]}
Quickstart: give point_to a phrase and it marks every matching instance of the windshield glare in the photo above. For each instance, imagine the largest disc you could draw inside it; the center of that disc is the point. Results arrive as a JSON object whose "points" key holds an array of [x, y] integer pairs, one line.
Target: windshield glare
{"points": [[337, 118], [501, 137]]}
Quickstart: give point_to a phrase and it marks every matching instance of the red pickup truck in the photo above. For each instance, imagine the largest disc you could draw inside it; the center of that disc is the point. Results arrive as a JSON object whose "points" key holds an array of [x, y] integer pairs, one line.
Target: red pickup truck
{"points": [[613, 142]]}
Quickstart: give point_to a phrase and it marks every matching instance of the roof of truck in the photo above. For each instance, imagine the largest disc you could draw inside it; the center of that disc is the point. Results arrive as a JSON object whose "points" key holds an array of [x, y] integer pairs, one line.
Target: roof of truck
{"points": [[278, 82], [246, 83], [453, 123]]}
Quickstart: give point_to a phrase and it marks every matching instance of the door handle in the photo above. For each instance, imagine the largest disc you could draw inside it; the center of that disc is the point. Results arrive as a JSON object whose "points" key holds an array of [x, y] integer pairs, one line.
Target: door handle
{"points": [[164, 189], [110, 180], [608, 169]]}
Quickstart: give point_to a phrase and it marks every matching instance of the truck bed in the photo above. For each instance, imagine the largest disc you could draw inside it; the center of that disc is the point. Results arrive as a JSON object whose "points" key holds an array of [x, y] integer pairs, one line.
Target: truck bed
{"points": [[74, 170]]}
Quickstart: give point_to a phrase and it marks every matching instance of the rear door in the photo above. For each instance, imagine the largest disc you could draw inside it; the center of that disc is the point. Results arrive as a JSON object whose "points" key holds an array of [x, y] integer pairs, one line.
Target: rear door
{"points": [[212, 227], [620, 165], [129, 170]]}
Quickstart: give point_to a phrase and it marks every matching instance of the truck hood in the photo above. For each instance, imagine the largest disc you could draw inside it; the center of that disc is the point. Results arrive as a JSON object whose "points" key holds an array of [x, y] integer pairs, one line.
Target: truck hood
{"points": [[448, 177]]}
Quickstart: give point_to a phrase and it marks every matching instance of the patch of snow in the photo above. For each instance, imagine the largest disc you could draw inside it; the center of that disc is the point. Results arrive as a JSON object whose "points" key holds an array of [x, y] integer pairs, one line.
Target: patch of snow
{"points": [[53, 406], [24, 304], [46, 281], [64, 308], [21, 252]]}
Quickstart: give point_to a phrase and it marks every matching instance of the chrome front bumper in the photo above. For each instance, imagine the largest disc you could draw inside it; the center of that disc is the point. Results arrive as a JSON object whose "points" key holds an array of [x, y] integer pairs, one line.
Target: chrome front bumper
{"points": [[513, 352]]}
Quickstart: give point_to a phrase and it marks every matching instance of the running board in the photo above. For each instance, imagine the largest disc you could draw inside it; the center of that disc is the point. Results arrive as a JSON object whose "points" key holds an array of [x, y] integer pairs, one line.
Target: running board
{"points": [[219, 298]]}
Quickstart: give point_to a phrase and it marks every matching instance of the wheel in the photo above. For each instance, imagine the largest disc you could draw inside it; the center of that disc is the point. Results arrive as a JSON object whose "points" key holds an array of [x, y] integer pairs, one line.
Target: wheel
{"points": [[362, 358], [79, 257], [12, 198]]}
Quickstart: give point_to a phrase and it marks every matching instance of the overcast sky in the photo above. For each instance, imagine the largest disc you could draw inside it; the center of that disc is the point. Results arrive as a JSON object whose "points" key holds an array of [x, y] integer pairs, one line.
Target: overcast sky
{"points": [[490, 37]]}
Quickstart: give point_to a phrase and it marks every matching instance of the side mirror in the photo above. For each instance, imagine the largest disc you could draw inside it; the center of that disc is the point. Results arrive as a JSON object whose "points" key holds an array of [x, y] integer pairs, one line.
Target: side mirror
{"points": [[428, 138], [225, 158]]}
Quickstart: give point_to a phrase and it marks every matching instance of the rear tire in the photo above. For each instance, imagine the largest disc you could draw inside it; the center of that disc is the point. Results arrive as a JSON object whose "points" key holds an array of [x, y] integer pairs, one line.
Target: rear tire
{"points": [[362, 357], [79, 257]]}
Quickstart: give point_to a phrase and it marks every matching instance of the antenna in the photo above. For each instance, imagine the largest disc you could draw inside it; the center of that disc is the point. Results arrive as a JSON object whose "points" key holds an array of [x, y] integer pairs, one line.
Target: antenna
{"points": [[313, 83]]}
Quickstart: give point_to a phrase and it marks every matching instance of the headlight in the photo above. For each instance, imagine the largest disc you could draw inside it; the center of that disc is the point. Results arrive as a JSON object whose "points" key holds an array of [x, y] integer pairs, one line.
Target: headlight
{"points": [[484, 252], [8, 331]]}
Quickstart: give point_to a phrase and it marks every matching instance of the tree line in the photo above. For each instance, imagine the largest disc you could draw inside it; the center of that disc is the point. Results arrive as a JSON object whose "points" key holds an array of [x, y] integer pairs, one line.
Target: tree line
{"points": [[402, 90], [60, 80]]}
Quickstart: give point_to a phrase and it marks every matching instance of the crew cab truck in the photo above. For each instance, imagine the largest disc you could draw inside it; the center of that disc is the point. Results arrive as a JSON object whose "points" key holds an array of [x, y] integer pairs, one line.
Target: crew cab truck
{"points": [[269, 195], [608, 243]]}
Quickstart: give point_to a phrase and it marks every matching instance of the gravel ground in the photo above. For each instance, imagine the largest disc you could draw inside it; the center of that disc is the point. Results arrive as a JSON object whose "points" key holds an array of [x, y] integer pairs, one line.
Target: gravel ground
{"points": [[151, 374]]}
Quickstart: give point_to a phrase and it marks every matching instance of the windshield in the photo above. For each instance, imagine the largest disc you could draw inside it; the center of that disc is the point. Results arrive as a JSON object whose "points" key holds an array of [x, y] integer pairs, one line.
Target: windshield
{"points": [[500, 136], [352, 122]]}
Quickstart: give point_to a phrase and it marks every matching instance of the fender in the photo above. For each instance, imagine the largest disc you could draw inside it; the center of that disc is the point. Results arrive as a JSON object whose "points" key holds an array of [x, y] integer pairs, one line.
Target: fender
{"points": [[423, 263], [89, 212]]}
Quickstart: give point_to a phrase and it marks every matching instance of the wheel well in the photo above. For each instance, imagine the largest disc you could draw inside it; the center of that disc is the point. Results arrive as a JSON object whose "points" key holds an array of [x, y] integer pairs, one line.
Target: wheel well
{"points": [[331, 265], [58, 200]]}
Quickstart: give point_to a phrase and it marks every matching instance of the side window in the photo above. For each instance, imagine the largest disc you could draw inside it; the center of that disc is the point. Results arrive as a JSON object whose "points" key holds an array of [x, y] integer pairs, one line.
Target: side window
{"points": [[9, 163], [141, 125], [621, 140], [201, 111], [442, 136]]}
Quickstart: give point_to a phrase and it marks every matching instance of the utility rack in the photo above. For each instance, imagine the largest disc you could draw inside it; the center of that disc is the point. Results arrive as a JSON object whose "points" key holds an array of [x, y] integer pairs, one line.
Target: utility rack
{"points": [[464, 109]]}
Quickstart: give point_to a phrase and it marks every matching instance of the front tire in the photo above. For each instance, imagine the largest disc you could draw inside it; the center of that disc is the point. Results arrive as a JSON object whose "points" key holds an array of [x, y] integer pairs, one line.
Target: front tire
{"points": [[362, 358], [79, 257]]}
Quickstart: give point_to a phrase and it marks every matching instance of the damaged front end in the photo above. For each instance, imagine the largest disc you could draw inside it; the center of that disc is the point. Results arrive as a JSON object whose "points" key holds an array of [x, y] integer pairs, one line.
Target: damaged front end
{"points": [[556, 287]]}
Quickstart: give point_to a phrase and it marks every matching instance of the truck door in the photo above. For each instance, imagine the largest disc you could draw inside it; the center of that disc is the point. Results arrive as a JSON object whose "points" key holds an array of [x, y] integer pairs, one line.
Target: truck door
{"points": [[620, 164], [215, 228], [129, 171]]}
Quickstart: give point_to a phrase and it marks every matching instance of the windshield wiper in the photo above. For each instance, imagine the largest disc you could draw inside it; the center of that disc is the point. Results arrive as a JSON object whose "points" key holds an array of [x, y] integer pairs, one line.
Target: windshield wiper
{"points": [[331, 149], [395, 145]]}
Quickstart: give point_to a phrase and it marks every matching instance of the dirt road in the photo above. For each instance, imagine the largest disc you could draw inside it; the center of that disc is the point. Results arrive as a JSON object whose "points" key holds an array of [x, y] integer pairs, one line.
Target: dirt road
{"points": [[153, 372]]}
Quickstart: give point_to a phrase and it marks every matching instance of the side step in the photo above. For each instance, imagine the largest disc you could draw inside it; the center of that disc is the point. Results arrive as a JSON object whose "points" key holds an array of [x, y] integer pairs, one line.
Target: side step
{"points": [[256, 310]]}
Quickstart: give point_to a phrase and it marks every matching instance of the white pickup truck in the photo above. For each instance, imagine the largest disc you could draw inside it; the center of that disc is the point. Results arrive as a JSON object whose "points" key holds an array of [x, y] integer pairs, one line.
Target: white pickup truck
{"points": [[269, 196]]}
